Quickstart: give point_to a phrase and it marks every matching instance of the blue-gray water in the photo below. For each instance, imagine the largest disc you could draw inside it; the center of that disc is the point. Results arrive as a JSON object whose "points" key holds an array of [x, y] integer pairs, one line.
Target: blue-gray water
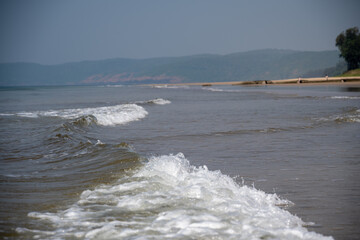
{"points": [[119, 162]]}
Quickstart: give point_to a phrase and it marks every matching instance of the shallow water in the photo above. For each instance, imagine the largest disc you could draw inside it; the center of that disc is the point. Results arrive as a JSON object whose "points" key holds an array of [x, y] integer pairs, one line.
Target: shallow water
{"points": [[178, 163]]}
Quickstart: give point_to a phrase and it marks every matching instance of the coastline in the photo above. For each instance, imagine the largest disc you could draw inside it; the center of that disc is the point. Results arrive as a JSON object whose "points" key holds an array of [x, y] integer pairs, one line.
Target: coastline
{"points": [[287, 82]]}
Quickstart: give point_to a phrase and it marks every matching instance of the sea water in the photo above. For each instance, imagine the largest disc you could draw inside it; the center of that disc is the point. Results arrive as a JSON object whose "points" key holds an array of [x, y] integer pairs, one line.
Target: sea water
{"points": [[132, 162]]}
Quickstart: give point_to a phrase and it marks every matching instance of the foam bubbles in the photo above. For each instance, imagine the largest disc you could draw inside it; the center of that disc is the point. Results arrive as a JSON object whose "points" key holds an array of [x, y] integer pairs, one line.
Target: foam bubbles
{"points": [[168, 198]]}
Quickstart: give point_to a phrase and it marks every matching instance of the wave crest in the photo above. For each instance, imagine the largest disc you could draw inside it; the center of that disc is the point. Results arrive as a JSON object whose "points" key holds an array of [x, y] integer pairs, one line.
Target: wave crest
{"points": [[345, 97], [212, 89], [172, 86], [158, 101], [352, 116], [170, 199], [84, 121], [106, 116]]}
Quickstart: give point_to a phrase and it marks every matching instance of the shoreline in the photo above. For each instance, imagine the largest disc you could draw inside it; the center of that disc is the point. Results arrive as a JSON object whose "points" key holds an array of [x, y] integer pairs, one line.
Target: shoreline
{"points": [[286, 82]]}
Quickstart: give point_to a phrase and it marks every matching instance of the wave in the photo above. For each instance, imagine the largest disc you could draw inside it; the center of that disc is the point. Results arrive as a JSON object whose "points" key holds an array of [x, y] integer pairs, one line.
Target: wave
{"points": [[213, 89], [352, 116], [158, 101], [218, 89], [344, 97], [84, 121], [172, 87], [6, 114], [168, 198], [106, 116], [114, 86]]}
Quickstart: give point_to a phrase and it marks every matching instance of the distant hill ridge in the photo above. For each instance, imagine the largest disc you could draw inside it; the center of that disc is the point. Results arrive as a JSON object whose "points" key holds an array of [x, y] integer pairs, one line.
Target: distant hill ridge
{"points": [[268, 64]]}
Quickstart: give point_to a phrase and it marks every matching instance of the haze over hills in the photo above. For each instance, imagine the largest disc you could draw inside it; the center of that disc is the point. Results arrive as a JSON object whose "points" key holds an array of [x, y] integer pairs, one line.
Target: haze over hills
{"points": [[266, 64]]}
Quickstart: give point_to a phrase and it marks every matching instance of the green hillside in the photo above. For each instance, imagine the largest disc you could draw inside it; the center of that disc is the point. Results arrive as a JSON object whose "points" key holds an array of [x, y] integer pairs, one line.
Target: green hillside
{"points": [[246, 66], [351, 73]]}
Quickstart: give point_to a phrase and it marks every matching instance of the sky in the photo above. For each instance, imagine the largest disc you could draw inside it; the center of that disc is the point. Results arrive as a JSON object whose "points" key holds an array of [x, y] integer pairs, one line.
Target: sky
{"points": [[54, 32]]}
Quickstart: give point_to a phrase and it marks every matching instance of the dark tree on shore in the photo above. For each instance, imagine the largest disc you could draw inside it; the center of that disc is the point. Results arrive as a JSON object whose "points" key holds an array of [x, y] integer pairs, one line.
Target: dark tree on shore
{"points": [[348, 43]]}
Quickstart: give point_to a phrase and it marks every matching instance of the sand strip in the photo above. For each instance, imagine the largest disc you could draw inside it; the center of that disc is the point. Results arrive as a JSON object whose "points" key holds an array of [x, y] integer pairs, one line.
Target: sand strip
{"points": [[293, 81]]}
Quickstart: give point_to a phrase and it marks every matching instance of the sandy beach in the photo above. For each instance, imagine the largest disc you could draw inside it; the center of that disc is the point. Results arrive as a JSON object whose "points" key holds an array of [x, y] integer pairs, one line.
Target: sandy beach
{"points": [[287, 82]]}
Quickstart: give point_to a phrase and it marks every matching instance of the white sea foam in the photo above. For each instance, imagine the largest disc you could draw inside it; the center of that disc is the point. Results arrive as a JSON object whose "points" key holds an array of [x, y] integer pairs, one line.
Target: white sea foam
{"points": [[345, 97], [27, 114], [114, 86], [219, 89], [213, 89], [350, 117], [107, 116], [172, 87], [170, 199], [158, 101], [6, 114]]}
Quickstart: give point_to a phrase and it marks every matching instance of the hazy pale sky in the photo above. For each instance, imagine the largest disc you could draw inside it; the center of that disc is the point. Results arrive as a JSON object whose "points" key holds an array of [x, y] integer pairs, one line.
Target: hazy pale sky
{"points": [[52, 32]]}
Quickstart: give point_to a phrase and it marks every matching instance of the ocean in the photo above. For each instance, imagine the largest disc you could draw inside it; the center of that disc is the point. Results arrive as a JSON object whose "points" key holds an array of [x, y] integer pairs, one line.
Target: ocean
{"points": [[219, 162]]}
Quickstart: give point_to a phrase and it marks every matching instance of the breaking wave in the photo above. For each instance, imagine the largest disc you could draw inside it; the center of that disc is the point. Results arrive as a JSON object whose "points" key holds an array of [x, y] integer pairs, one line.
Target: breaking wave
{"points": [[168, 198], [106, 116], [158, 101], [352, 116]]}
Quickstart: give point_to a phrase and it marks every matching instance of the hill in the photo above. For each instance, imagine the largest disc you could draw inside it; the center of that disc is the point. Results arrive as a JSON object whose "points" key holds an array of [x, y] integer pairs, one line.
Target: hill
{"points": [[246, 66], [351, 73]]}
